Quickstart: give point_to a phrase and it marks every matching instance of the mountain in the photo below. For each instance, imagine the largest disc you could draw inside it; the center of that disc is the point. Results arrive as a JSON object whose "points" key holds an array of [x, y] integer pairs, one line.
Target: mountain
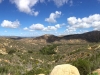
{"points": [[93, 36], [48, 38]]}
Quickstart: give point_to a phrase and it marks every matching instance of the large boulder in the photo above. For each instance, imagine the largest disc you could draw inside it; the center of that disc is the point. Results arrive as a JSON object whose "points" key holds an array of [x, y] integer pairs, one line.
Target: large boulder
{"points": [[65, 69]]}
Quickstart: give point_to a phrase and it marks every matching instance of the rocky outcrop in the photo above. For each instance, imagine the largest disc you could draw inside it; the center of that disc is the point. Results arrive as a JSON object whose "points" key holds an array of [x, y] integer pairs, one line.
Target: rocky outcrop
{"points": [[65, 69]]}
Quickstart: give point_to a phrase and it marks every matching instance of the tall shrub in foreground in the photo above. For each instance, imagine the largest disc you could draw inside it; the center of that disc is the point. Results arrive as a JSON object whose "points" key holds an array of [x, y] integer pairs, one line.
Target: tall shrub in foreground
{"points": [[84, 66]]}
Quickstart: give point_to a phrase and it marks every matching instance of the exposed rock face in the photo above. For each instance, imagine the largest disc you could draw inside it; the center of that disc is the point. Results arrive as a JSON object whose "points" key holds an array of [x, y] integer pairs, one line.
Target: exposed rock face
{"points": [[65, 69]]}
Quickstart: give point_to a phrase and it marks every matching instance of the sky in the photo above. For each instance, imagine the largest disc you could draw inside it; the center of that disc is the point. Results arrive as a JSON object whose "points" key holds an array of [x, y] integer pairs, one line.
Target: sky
{"points": [[57, 17]]}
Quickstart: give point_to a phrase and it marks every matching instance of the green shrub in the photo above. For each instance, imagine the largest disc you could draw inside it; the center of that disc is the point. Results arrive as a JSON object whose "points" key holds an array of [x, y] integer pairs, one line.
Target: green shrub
{"points": [[11, 51], [30, 51], [84, 66], [3, 70], [30, 73], [93, 74], [49, 49]]}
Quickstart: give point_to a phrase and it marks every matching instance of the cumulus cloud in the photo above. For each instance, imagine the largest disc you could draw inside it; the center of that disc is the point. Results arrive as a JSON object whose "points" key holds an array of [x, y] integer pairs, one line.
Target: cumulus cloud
{"points": [[41, 27], [49, 28], [25, 28], [10, 24], [57, 26], [93, 21], [26, 6], [0, 1], [37, 27], [53, 16], [54, 28]]}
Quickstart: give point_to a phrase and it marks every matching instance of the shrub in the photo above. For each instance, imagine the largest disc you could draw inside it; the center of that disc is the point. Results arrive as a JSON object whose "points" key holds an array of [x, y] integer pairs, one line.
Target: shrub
{"points": [[30, 51], [11, 51], [3, 70], [49, 49], [93, 74], [37, 71], [84, 66]]}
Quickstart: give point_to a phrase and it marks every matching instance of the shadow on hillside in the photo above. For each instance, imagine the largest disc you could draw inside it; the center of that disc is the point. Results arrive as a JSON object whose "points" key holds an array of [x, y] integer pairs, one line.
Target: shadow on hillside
{"points": [[93, 36]]}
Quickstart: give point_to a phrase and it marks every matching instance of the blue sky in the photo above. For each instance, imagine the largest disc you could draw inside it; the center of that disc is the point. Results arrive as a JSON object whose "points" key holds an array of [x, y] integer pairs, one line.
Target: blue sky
{"points": [[39, 17]]}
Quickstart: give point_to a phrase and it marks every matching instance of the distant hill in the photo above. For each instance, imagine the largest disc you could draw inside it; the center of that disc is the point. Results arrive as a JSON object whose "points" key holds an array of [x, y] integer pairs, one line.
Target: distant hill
{"points": [[93, 36], [48, 38]]}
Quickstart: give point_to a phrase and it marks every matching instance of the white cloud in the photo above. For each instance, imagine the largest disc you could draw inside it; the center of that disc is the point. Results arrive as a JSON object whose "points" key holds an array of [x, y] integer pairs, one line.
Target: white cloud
{"points": [[57, 26], [10, 24], [1, 1], [41, 27], [37, 27], [53, 16], [26, 6], [49, 28], [72, 20], [93, 21], [71, 29], [25, 28], [54, 28]]}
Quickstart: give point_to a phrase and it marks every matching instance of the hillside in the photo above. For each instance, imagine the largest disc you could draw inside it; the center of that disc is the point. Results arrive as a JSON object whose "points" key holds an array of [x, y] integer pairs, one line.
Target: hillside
{"points": [[30, 56], [93, 36]]}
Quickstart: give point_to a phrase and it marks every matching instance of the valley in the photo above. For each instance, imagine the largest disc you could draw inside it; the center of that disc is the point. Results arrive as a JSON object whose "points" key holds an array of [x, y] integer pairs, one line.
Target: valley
{"points": [[39, 55]]}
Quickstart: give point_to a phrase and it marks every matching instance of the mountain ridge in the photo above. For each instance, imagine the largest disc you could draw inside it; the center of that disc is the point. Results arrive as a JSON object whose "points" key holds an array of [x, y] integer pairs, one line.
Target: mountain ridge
{"points": [[93, 36]]}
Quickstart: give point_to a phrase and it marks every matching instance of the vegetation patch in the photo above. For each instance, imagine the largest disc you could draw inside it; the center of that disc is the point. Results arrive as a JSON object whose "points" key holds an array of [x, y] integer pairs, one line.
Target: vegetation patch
{"points": [[84, 66], [49, 49]]}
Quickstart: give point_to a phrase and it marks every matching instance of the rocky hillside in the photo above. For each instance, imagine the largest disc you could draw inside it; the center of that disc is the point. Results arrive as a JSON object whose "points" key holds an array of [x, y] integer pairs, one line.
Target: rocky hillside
{"points": [[93, 36], [33, 56], [48, 38]]}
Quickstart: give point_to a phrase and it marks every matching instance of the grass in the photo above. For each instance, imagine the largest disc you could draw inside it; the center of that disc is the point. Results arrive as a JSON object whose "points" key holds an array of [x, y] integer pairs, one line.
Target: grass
{"points": [[41, 58]]}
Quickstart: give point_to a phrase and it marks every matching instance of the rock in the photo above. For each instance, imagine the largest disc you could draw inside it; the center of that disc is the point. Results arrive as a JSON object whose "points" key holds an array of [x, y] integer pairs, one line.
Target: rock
{"points": [[41, 74], [65, 69], [97, 71]]}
